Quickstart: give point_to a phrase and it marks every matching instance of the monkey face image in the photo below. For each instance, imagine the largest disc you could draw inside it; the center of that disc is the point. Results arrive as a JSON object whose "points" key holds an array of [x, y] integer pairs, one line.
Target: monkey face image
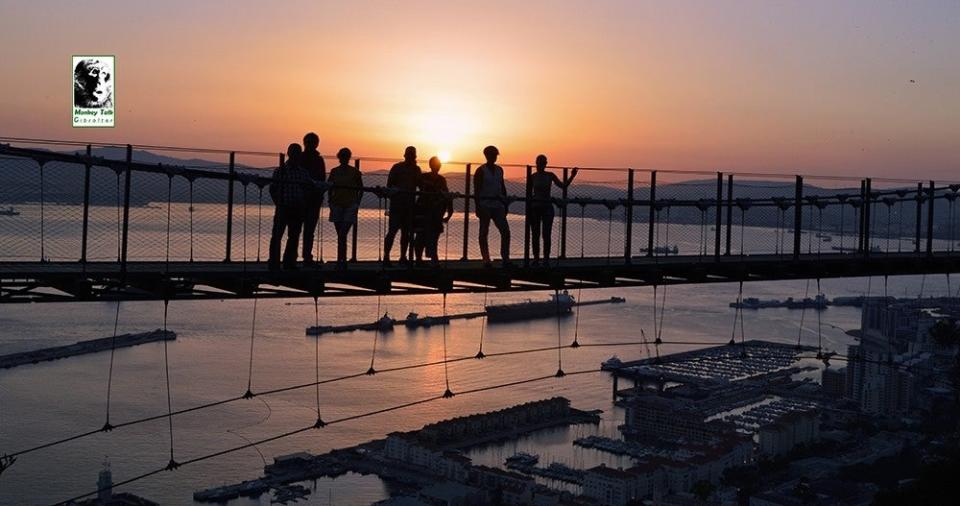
{"points": [[93, 84]]}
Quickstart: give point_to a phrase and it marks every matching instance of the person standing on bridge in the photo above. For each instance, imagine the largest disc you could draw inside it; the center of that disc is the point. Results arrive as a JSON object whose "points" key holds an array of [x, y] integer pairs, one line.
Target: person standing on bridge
{"points": [[288, 192], [345, 193], [540, 210], [402, 182], [313, 162], [434, 208], [491, 201]]}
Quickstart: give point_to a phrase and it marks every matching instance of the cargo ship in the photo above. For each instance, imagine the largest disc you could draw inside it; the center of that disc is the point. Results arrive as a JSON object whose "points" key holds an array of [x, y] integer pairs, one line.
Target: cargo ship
{"points": [[558, 305], [10, 211]]}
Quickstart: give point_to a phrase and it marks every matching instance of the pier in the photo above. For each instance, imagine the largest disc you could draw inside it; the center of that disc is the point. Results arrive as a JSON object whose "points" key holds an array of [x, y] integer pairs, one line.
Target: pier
{"points": [[84, 347]]}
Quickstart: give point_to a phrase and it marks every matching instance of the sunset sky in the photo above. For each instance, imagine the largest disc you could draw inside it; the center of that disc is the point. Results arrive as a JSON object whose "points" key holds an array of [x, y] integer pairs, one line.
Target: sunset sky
{"points": [[808, 86]]}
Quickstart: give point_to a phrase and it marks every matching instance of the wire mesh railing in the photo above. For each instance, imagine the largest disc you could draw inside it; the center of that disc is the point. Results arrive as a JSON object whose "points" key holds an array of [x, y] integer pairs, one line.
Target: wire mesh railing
{"points": [[64, 204]]}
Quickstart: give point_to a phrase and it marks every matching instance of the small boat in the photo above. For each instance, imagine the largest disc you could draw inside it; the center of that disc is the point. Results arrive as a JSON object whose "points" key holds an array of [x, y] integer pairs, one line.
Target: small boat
{"points": [[412, 320], [9, 211], [559, 304], [613, 362], [385, 323], [522, 459]]}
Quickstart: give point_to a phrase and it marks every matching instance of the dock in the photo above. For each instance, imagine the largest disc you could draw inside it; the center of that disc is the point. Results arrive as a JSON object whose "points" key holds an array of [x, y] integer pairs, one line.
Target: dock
{"points": [[84, 347], [386, 323]]}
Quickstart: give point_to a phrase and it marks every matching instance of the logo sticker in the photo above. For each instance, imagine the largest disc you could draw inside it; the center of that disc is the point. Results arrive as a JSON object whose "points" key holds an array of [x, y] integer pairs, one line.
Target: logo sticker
{"points": [[94, 89]]}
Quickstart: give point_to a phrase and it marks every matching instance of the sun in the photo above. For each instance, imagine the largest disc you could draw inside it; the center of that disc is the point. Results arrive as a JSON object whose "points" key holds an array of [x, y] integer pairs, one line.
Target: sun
{"points": [[443, 155]]}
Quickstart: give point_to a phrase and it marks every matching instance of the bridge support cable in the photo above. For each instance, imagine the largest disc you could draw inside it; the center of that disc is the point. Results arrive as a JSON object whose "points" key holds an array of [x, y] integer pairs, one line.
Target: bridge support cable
{"points": [[610, 207], [190, 210], [576, 321], [738, 306], [113, 350], [446, 373], [319, 235], [381, 231], [43, 256], [316, 365], [657, 324], [803, 313], [260, 220], [166, 306], [119, 216], [253, 332], [583, 219], [376, 337], [891, 345], [560, 373], [243, 231], [820, 320], [166, 369], [483, 325]]}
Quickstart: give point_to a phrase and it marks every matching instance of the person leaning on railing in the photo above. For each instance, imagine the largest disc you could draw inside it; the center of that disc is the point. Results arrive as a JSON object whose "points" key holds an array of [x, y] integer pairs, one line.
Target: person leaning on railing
{"points": [[288, 192], [346, 190]]}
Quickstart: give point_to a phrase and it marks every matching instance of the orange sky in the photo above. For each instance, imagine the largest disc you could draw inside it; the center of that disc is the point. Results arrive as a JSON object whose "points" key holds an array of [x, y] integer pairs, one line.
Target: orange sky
{"points": [[807, 86]]}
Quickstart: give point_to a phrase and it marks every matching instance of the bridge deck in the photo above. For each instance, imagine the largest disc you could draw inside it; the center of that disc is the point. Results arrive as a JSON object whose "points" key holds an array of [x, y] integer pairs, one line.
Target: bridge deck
{"points": [[153, 280]]}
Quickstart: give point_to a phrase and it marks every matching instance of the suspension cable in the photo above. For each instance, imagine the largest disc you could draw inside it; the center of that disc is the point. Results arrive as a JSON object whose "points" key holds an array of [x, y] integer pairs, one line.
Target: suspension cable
{"points": [[316, 367], [166, 368], [737, 308], [244, 227], [191, 211], [259, 219], [576, 322], [446, 373], [43, 256], [253, 332], [803, 312], [376, 336], [483, 324], [113, 349], [583, 220], [819, 321], [556, 298]]}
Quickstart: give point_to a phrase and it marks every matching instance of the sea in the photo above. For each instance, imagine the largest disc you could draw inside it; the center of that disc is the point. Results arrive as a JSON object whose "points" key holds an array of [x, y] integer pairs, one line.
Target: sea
{"points": [[211, 361]]}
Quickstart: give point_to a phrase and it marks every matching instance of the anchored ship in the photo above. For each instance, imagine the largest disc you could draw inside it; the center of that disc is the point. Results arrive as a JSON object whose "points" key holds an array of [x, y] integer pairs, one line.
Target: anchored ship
{"points": [[558, 304]]}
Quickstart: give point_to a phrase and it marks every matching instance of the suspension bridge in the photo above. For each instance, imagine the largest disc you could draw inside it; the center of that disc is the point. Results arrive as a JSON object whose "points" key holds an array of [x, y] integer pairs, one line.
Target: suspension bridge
{"points": [[96, 227], [119, 228]]}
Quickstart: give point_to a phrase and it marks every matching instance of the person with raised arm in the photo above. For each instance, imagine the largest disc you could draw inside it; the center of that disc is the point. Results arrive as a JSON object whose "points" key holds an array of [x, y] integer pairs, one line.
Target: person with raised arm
{"points": [[540, 212]]}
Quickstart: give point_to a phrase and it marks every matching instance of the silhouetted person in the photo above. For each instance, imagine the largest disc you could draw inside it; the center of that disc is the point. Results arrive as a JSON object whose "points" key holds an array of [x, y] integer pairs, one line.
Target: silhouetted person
{"points": [[315, 166], [540, 211], [288, 191], [434, 208], [490, 195], [402, 185], [345, 193]]}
